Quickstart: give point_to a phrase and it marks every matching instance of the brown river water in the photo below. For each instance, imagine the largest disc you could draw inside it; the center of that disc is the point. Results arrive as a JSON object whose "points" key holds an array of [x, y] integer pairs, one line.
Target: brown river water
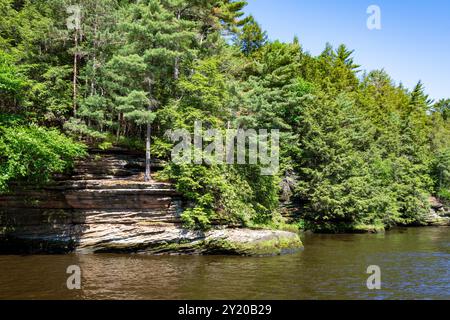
{"points": [[414, 263]]}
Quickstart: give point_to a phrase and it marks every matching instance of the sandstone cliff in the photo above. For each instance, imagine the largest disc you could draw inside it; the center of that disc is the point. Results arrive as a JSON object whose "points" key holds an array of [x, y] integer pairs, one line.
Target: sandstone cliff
{"points": [[102, 208]]}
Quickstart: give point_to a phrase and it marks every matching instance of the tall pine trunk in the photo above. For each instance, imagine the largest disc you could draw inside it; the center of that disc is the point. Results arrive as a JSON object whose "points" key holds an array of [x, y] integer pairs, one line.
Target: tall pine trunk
{"points": [[75, 73], [148, 169], [176, 71]]}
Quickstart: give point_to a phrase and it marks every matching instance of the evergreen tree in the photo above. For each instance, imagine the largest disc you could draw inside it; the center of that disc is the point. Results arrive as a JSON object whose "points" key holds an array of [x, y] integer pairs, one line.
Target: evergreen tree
{"points": [[252, 37], [155, 39], [356, 150]]}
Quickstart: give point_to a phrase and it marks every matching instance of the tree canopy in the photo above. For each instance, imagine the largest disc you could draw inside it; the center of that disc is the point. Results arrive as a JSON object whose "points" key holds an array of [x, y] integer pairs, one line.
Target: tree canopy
{"points": [[356, 149]]}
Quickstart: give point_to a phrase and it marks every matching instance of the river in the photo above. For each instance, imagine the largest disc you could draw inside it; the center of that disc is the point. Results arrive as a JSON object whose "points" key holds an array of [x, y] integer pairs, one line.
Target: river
{"points": [[414, 263]]}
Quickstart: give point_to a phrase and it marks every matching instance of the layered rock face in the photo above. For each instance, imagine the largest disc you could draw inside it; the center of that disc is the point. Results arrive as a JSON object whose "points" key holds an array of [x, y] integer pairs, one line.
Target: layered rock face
{"points": [[439, 214], [103, 208]]}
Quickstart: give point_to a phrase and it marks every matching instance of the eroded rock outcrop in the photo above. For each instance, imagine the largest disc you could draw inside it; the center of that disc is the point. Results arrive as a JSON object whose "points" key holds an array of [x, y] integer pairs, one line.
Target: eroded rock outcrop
{"points": [[118, 214], [439, 213]]}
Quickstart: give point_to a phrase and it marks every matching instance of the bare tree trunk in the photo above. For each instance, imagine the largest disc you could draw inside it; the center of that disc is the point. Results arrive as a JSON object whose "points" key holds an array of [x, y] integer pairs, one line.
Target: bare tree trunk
{"points": [[94, 59], [118, 127], [176, 72], [148, 143], [148, 169], [75, 74]]}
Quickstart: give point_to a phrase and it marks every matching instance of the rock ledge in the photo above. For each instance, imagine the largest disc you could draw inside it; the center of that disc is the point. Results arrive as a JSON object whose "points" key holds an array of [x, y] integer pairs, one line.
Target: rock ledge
{"points": [[99, 210]]}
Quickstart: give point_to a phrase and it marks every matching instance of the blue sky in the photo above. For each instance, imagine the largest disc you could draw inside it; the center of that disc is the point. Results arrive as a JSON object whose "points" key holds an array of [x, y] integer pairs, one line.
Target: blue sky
{"points": [[413, 43]]}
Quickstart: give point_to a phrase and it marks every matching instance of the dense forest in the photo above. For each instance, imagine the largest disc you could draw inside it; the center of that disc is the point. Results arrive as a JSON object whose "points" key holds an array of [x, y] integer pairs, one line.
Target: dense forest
{"points": [[356, 148]]}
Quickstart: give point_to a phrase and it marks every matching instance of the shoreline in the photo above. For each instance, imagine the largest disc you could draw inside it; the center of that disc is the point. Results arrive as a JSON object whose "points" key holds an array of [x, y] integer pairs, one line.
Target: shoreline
{"points": [[102, 207], [221, 241]]}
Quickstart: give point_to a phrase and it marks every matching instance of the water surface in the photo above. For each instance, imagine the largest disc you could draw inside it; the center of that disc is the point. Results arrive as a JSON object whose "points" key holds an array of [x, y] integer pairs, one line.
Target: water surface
{"points": [[415, 264]]}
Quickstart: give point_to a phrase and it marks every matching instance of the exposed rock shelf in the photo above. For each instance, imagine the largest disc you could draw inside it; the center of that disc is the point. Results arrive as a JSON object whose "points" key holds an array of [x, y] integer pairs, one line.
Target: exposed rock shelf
{"points": [[439, 214], [116, 213]]}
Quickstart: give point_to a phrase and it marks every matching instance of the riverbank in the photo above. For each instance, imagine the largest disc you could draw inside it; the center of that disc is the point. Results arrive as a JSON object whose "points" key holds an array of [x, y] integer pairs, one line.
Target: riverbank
{"points": [[120, 216], [104, 207], [437, 216], [163, 239]]}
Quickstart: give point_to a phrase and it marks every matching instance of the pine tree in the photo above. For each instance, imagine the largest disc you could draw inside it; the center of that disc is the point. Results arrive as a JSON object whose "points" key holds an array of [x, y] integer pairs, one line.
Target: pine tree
{"points": [[252, 37], [95, 112], [230, 14], [335, 181], [155, 41], [443, 107]]}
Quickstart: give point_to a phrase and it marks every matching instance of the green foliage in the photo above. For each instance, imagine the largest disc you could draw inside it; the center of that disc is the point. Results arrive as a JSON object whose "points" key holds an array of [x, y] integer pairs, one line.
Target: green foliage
{"points": [[12, 83], [357, 151], [225, 194], [236, 195], [34, 154], [441, 170], [335, 177], [252, 37]]}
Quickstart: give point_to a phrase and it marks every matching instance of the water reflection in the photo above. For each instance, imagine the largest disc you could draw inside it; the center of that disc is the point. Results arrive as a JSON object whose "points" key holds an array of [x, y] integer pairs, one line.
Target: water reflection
{"points": [[415, 264]]}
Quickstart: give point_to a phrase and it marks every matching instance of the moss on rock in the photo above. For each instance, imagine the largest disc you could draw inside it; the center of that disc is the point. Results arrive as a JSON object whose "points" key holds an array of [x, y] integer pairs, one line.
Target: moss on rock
{"points": [[242, 242], [252, 242]]}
